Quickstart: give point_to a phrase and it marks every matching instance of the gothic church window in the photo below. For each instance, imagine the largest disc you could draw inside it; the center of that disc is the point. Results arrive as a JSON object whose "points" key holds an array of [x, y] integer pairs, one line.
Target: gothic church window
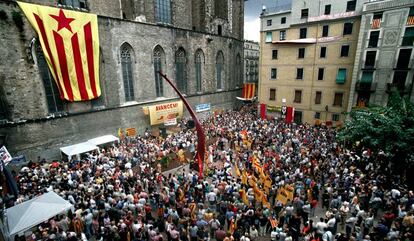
{"points": [[220, 8], [163, 11], [73, 3], [239, 69], [181, 70], [159, 59], [219, 70], [127, 72], [3, 105], [199, 60], [54, 102]]}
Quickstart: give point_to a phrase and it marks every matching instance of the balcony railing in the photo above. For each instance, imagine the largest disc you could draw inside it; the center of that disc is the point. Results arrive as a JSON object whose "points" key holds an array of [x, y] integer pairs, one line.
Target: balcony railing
{"points": [[367, 87]]}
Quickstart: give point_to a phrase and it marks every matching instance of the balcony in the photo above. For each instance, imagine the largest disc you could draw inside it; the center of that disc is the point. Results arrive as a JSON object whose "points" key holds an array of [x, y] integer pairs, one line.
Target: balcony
{"points": [[403, 89], [365, 87]]}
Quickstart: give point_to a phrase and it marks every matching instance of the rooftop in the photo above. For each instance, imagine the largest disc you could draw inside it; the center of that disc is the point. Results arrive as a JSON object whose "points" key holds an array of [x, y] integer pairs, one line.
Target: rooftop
{"points": [[276, 9]]}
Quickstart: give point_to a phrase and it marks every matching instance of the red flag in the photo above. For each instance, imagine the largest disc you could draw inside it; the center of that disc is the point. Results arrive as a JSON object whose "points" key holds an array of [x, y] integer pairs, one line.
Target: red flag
{"points": [[290, 114], [263, 111]]}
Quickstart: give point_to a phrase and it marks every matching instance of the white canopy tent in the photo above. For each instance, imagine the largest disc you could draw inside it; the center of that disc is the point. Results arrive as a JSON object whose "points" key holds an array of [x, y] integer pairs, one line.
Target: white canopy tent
{"points": [[26, 215], [78, 149], [103, 140]]}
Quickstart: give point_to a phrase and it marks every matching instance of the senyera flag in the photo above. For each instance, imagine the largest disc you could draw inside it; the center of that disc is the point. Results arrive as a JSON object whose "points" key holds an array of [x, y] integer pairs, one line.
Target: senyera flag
{"points": [[249, 91], [70, 44]]}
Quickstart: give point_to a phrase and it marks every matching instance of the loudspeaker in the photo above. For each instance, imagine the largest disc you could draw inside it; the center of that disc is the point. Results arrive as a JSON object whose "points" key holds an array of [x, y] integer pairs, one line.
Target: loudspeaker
{"points": [[190, 124]]}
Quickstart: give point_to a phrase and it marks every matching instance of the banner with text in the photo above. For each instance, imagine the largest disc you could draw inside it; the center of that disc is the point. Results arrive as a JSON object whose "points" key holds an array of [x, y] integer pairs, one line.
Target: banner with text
{"points": [[203, 107], [5, 155], [159, 114]]}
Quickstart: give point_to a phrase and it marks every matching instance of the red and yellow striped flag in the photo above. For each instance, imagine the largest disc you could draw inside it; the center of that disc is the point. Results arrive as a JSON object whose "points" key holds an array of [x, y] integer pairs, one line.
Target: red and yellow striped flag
{"points": [[410, 20], [70, 44], [376, 23], [249, 91], [244, 197], [257, 165], [273, 222]]}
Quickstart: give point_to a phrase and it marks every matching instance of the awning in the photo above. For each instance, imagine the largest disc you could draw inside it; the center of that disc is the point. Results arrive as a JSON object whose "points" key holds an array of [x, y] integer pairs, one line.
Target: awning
{"points": [[103, 140], [78, 149], [28, 214], [341, 77], [367, 77]]}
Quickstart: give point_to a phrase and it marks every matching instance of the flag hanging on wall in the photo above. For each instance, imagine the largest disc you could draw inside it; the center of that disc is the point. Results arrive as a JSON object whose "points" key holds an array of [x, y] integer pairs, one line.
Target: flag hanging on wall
{"points": [[290, 114], [249, 91], [70, 44]]}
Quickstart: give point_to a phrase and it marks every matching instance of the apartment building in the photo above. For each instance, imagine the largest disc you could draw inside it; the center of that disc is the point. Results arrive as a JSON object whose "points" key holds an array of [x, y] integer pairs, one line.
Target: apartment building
{"points": [[384, 57], [307, 57], [251, 59]]}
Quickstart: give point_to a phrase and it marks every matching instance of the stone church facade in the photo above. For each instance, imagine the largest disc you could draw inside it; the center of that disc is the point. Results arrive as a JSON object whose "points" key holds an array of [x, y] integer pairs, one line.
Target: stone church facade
{"points": [[197, 43]]}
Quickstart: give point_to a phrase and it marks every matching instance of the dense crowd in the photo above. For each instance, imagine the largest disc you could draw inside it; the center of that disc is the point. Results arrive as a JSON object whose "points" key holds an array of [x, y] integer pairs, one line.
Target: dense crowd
{"points": [[120, 192]]}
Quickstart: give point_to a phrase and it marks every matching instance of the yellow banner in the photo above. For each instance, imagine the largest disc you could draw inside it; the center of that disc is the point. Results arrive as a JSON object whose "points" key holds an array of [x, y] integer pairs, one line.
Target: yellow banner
{"points": [[244, 177], [70, 44], [237, 170], [131, 131], [244, 197], [166, 111], [285, 194]]}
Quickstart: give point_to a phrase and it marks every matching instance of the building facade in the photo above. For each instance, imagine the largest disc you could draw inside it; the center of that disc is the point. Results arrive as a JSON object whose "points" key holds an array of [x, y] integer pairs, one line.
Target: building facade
{"points": [[384, 57], [251, 60], [196, 43], [307, 57]]}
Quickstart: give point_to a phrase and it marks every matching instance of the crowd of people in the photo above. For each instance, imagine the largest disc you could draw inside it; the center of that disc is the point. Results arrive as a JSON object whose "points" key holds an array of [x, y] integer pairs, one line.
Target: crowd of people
{"points": [[121, 193]]}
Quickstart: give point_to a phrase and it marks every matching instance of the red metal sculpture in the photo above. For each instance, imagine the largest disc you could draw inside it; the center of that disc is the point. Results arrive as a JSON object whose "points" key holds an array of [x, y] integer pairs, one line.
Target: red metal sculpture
{"points": [[201, 147]]}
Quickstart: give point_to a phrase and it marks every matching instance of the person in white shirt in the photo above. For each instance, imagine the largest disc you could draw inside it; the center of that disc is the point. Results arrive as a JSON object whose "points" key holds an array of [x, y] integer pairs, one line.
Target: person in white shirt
{"points": [[327, 236], [273, 234], [320, 227], [331, 224], [245, 237], [211, 197], [254, 234]]}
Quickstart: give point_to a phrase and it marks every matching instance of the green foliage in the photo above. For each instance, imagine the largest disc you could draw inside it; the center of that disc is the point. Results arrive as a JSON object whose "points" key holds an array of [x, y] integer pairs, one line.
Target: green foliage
{"points": [[390, 129], [165, 161], [18, 20]]}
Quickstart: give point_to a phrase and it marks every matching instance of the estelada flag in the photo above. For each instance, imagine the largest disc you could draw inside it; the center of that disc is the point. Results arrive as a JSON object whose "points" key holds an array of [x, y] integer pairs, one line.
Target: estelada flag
{"points": [[70, 44]]}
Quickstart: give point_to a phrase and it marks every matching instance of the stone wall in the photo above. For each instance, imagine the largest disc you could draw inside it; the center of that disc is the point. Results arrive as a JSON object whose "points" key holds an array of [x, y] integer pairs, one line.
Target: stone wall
{"points": [[44, 138], [33, 131]]}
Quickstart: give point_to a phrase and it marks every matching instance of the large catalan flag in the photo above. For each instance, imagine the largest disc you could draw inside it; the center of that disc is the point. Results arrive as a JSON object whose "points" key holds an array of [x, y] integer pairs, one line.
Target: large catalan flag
{"points": [[70, 44], [249, 91]]}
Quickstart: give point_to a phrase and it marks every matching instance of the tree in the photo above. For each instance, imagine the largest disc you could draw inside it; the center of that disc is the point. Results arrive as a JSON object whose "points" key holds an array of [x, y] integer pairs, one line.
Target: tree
{"points": [[389, 129]]}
